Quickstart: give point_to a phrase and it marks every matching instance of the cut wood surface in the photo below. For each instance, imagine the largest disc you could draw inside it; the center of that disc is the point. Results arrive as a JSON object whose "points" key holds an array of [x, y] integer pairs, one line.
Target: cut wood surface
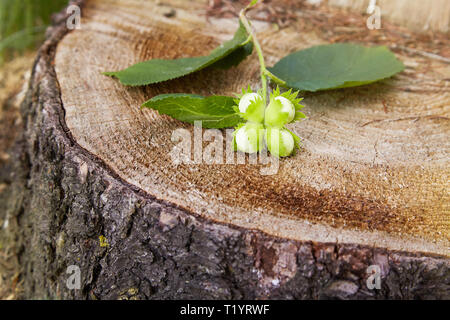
{"points": [[91, 182], [374, 167], [419, 15]]}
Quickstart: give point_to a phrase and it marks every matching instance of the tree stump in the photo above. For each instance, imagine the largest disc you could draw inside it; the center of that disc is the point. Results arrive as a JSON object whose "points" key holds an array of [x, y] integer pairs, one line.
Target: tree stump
{"points": [[94, 185]]}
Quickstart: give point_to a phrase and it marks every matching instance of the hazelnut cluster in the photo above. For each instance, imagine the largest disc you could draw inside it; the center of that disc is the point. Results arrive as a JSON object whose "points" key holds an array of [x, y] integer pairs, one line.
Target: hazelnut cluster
{"points": [[266, 126]]}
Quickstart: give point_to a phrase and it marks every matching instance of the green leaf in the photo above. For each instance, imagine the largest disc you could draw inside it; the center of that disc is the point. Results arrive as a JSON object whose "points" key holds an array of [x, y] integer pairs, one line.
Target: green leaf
{"points": [[336, 66], [213, 111], [235, 57], [157, 70]]}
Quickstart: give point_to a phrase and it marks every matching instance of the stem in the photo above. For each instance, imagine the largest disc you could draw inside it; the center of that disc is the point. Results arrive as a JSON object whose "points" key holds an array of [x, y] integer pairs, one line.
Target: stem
{"points": [[275, 79], [262, 63]]}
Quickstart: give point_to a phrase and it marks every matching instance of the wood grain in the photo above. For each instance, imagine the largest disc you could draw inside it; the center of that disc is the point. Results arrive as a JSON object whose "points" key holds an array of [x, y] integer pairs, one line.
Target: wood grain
{"points": [[422, 16], [374, 169]]}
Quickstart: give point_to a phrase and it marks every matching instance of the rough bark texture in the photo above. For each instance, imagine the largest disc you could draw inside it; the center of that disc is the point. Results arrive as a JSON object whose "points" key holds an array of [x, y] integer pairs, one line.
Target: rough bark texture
{"points": [[62, 199], [14, 77]]}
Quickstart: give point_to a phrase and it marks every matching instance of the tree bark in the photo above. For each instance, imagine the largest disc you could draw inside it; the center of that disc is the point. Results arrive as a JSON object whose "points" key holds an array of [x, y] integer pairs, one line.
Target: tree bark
{"points": [[72, 202]]}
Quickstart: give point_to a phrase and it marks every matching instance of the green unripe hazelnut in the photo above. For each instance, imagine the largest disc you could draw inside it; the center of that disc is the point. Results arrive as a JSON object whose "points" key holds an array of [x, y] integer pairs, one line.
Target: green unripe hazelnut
{"points": [[280, 142], [252, 106], [250, 137], [279, 112]]}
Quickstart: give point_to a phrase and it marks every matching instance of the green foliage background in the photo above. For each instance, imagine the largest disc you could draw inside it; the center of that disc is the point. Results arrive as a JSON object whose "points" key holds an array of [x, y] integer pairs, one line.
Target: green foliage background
{"points": [[23, 23]]}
